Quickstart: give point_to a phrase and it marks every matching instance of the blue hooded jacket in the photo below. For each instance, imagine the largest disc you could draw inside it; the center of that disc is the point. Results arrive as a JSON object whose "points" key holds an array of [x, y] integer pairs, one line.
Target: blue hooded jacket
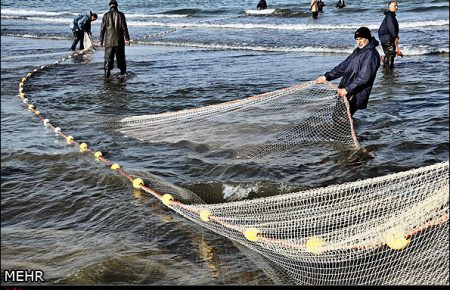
{"points": [[358, 73], [81, 22], [388, 30]]}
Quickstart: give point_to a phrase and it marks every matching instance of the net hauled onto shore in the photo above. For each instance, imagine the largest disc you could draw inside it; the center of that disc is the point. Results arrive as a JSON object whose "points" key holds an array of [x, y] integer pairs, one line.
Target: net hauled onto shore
{"points": [[388, 230]]}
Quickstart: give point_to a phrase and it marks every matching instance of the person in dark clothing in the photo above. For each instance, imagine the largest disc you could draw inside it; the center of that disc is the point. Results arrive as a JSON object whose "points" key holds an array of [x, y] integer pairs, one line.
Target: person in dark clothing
{"points": [[340, 4], [388, 35], [314, 7], [262, 4], [80, 25], [358, 71], [114, 36], [320, 5]]}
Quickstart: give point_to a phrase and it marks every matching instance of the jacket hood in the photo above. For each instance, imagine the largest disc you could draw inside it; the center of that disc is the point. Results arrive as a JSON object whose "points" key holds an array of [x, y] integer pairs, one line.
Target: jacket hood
{"points": [[372, 43]]}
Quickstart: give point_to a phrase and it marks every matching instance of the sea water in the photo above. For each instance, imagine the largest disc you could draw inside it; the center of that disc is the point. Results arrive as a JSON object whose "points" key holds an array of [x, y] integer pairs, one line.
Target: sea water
{"points": [[80, 223]]}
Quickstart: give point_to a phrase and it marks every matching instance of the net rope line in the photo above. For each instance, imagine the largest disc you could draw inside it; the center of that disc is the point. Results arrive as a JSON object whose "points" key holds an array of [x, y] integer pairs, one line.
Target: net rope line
{"points": [[169, 201], [290, 238], [143, 39]]}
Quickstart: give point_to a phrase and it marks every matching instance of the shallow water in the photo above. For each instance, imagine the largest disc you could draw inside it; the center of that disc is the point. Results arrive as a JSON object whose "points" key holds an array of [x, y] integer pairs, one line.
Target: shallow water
{"points": [[80, 223]]}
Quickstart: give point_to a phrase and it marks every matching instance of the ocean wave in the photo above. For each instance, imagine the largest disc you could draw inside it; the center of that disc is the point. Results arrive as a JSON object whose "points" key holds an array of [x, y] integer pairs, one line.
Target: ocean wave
{"points": [[278, 12], [410, 51], [424, 24], [37, 36], [182, 11], [224, 46], [407, 50], [40, 19], [9, 13], [290, 27], [26, 56], [24, 12], [132, 16], [429, 8]]}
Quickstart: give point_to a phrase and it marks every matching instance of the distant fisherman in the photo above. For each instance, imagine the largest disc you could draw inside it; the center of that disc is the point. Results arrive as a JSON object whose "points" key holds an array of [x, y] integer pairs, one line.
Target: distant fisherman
{"points": [[262, 4], [320, 5], [388, 34], [358, 71], [80, 25], [314, 7], [340, 4]]}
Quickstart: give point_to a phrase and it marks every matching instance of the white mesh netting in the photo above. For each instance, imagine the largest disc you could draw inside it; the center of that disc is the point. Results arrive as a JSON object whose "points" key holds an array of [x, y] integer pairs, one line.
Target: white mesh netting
{"points": [[301, 114], [386, 230], [389, 230], [87, 41]]}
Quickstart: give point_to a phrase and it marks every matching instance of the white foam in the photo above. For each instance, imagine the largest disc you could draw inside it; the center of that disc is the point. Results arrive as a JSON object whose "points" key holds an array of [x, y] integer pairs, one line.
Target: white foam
{"points": [[255, 48], [24, 12], [130, 16], [416, 50], [293, 27], [51, 20], [34, 55], [40, 36], [238, 192], [407, 50], [260, 12]]}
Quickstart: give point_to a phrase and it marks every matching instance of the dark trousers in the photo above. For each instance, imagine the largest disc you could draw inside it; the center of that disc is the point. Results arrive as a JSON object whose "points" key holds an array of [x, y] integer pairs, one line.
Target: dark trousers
{"points": [[77, 36], [119, 53], [315, 14], [389, 54], [352, 103]]}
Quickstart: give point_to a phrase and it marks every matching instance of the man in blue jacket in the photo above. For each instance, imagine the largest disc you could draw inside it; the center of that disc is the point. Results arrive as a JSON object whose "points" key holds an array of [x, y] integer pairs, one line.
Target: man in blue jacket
{"points": [[388, 35], [80, 25], [358, 71]]}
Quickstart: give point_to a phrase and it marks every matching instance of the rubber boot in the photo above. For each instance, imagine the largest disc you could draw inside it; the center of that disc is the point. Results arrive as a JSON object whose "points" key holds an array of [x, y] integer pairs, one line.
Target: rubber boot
{"points": [[389, 61]]}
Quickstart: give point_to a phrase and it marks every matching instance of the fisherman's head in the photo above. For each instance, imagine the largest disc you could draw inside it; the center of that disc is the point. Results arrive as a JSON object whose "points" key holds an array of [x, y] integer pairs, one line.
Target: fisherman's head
{"points": [[393, 6], [362, 36], [113, 3], [93, 16]]}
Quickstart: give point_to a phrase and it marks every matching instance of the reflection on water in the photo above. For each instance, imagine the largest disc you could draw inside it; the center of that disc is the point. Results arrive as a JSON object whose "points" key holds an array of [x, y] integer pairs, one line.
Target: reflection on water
{"points": [[216, 261]]}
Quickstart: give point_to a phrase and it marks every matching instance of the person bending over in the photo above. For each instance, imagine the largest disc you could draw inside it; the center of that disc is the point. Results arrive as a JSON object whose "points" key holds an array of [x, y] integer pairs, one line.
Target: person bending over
{"points": [[80, 25]]}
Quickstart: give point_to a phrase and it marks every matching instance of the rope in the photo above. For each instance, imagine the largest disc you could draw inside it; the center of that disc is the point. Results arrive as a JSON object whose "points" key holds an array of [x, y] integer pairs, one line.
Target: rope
{"points": [[142, 40], [350, 119]]}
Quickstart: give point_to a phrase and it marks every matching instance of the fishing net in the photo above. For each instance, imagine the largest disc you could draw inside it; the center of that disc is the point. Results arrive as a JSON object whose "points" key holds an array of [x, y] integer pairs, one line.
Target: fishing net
{"points": [[253, 126], [390, 230], [87, 41], [387, 230]]}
